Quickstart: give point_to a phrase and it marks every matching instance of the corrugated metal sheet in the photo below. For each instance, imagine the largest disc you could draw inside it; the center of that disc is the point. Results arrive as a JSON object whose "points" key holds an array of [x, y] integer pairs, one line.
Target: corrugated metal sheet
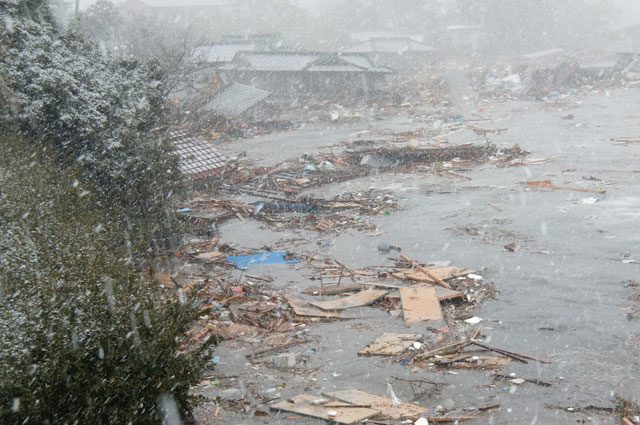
{"points": [[235, 99], [221, 52], [198, 157]]}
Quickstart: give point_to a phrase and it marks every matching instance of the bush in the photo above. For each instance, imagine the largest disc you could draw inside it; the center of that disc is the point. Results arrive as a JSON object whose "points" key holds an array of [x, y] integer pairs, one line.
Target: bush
{"points": [[85, 339], [107, 117]]}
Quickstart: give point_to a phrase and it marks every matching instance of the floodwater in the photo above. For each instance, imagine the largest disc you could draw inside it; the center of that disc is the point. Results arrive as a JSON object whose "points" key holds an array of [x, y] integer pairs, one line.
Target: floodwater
{"points": [[562, 293]]}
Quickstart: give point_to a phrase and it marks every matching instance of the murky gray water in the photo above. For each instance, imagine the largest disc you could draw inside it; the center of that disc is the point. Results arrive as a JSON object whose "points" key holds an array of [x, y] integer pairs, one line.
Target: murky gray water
{"points": [[566, 274]]}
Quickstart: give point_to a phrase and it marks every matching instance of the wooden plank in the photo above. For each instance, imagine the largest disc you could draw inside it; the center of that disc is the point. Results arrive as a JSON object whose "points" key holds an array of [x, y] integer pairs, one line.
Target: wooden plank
{"points": [[383, 404], [484, 363], [443, 294], [442, 273], [389, 344], [419, 304], [547, 184], [425, 271], [332, 289], [360, 299], [309, 405], [627, 139], [626, 421], [300, 308], [210, 256]]}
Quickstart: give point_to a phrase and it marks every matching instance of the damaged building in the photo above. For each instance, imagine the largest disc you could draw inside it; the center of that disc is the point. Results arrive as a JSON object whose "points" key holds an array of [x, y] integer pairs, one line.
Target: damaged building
{"points": [[395, 51], [291, 76]]}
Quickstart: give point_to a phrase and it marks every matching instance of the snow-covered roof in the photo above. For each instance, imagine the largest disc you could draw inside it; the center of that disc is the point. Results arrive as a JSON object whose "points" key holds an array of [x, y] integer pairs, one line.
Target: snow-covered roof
{"points": [[216, 53], [542, 53], [234, 99], [390, 45], [362, 36], [463, 27], [278, 61], [198, 157], [306, 61]]}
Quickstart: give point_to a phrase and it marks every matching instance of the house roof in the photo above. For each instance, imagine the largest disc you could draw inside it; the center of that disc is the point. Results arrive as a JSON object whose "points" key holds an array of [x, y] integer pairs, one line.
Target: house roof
{"points": [[234, 99], [277, 61], [215, 53], [198, 157], [390, 45], [463, 27], [362, 36], [305, 61], [542, 53]]}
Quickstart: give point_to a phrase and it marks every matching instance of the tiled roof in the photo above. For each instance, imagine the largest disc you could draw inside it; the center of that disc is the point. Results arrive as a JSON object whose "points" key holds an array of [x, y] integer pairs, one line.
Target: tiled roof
{"points": [[390, 45], [198, 157], [221, 52], [234, 99]]}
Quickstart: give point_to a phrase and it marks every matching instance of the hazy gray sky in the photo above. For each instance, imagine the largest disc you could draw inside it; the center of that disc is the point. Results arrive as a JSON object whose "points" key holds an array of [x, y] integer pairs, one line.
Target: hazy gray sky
{"points": [[629, 9]]}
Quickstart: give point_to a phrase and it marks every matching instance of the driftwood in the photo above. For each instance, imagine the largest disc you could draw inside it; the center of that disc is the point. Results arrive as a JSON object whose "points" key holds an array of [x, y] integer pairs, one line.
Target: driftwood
{"points": [[425, 271]]}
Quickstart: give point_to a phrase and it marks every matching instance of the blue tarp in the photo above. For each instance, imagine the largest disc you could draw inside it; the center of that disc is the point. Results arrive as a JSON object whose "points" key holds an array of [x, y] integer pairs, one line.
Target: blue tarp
{"points": [[262, 258]]}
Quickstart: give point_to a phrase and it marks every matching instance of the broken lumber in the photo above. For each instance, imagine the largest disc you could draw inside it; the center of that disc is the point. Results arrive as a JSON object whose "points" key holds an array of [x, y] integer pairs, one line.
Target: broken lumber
{"points": [[441, 273], [513, 355], [301, 309], [386, 406], [420, 304], [309, 405], [627, 139], [360, 299], [332, 289], [548, 184], [425, 271], [389, 344]]}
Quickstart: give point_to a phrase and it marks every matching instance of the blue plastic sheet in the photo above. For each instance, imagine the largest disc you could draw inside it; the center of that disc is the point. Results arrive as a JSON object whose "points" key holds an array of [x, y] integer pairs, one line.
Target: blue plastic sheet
{"points": [[262, 258]]}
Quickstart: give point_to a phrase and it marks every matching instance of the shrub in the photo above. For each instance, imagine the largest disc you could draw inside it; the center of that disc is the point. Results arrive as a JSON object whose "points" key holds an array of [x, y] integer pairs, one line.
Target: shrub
{"points": [[85, 339]]}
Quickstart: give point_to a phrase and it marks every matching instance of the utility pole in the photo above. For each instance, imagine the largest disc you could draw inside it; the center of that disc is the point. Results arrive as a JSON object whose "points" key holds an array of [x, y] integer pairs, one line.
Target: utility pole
{"points": [[77, 15]]}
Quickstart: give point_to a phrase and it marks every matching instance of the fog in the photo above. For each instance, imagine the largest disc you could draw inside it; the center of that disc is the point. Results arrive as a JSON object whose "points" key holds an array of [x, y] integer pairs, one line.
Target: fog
{"points": [[301, 211]]}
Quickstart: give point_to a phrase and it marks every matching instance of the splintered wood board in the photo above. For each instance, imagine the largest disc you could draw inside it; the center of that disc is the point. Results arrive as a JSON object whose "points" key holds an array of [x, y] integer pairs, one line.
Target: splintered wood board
{"points": [[443, 294], [389, 344], [304, 405], [420, 304], [442, 273], [356, 300], [487, 362], [300, 308], [332, 289], [383, 404], [209, 256]]}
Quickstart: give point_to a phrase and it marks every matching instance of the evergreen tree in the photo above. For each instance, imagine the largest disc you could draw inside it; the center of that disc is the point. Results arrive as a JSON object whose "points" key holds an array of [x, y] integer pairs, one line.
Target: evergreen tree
{"points": [[85, 337], [105, 116]]}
